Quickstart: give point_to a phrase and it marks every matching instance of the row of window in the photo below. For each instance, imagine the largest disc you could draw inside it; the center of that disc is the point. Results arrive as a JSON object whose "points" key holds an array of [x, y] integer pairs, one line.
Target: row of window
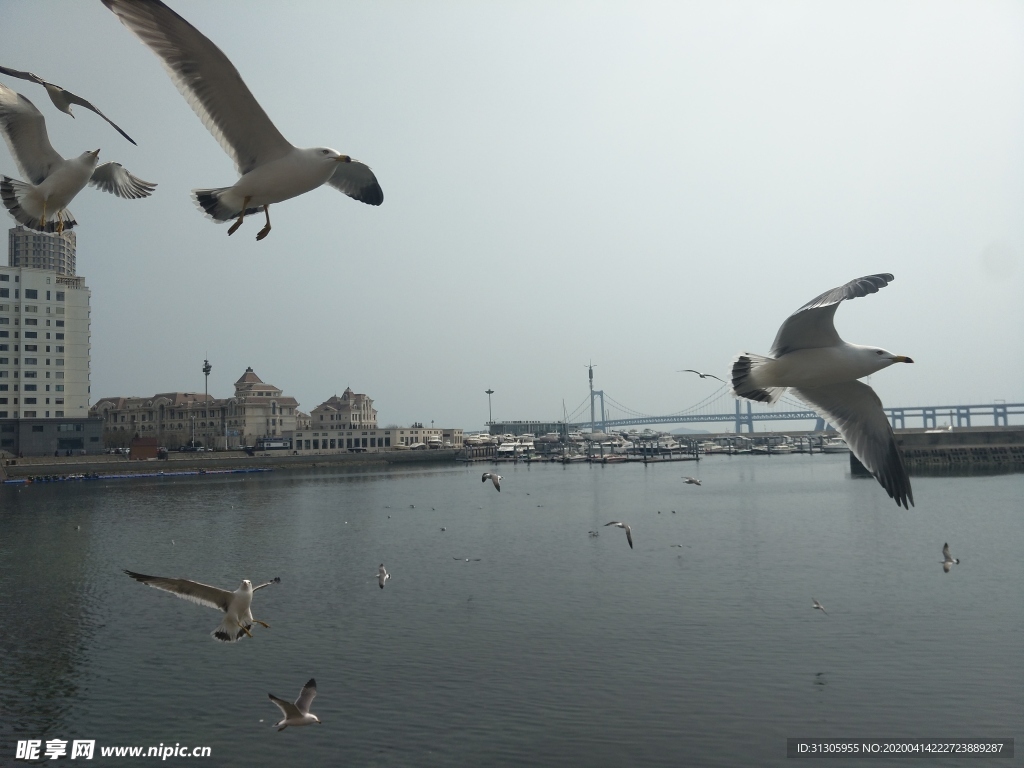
{"points": [[375, 442], [30, 321], [30, 293], [29, 335], [30, 374], [31, 360], [31, 388], [30, 415]]}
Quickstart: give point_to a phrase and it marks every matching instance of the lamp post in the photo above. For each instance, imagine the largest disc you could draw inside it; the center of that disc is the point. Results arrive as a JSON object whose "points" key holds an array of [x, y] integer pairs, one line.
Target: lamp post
{"points": [[490, 417]]}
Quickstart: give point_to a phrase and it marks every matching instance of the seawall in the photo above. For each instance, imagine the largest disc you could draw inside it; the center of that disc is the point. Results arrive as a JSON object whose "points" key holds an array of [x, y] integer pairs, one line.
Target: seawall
{"points": [[967, 448]]}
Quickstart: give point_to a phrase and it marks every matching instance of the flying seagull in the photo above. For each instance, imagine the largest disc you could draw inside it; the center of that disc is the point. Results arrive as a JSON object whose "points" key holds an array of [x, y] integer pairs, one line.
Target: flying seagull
{"points": [[54, 182], [496, 479], [298, 713], [629, 531], [382, 575], [62, 99], [690, 481], [948, 561], [468, 559], [271, 168], [702, 375], [236, 605], [822, 369], [819, 607]]}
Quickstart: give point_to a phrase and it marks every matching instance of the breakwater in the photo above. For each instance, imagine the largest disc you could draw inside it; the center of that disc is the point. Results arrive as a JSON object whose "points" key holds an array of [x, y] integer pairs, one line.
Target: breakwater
{"points": [[965, 449]]}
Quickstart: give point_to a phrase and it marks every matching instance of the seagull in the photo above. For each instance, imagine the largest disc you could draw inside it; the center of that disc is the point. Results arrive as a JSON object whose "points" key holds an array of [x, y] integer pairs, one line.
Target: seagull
{"points": [[271, 168], [468, 559], [382, 575], [948, 561], [822, 369], [690, 481], [236, 605], [298, 713], [62, 99], [702, 375], [593, 534], [629, 531], [819, 607], [496, 479], [41, 203]]}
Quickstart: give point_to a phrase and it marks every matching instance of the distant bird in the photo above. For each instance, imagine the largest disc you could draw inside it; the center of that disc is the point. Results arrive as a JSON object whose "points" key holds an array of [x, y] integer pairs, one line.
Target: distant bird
{"points": [[629, 531], [236, 605], [78, 527], [702, 375], [272, 169], [298, 713], [61, 98], [593, 533], [822, 369], [948, 561], [691, 481], [53, 182], [468, 559], [382, 575], [676, 545], [496, 479], [819, 607], [444, 529]]}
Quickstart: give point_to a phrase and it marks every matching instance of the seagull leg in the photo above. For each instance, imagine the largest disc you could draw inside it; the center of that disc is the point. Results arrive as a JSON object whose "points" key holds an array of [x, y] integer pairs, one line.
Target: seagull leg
{"points": [[266, 230], [241, 217], [244, 628], [60, 224], [42, 219], [262, 623]]}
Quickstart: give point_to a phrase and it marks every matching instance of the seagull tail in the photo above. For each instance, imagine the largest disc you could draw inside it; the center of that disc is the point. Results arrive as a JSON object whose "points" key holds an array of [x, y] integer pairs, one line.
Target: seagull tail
{"points": [[215, 204], [228, 632], [744, 379], [16, 196]]}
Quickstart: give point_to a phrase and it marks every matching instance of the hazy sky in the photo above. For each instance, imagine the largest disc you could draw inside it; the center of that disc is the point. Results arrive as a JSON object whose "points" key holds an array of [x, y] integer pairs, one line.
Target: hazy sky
{"points": [[651, 186]]}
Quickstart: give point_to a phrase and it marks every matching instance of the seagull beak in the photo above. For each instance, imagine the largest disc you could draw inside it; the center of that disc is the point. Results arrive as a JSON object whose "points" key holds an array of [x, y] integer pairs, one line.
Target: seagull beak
{"points": [[95, 152], [901, 359], [343, 159]]}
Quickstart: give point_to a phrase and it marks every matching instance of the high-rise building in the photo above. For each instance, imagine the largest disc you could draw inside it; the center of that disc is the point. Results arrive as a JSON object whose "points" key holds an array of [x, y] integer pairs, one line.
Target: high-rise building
{"points": [[42, 250], [44, 352]]}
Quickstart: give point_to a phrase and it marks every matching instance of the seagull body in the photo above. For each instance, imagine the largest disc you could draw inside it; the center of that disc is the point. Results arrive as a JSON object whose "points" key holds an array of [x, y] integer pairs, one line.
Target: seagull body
{"points": [[236, 605], [298, 713], [948, 561], [496, 479], [53, 182], [690, 481], [468, 559], [822, 369], [819, 607], [629, 531], [62, 99], [271, 168], [382, 575], [702, 375]]}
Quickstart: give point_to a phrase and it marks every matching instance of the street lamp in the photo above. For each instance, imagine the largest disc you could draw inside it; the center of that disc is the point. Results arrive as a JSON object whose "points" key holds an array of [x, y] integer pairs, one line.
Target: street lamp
{"points": [[206, 372], [490, 417]]}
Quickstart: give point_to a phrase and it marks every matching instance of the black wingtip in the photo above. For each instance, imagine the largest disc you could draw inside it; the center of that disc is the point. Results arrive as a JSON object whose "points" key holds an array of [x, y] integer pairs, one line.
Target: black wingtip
{"points": [[310, 684]]}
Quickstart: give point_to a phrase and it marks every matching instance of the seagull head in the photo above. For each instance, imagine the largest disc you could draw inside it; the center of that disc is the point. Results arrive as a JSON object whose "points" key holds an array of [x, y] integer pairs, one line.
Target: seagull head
{"points": [[329, 155], [877, 358], [246, 585], [90, 158]]}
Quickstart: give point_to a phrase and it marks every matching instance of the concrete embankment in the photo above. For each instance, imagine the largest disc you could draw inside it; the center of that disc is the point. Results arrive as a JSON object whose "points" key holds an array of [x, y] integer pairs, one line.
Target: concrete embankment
{"points": [[964, 449], [178, 462]]}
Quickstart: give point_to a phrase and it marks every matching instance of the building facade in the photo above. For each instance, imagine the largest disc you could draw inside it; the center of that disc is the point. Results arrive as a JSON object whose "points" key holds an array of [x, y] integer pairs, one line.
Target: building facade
{"points": [[42, 250], [349, 411]]}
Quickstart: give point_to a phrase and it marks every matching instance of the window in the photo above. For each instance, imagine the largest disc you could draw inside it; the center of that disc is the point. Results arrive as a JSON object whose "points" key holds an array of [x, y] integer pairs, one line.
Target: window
{"points": [[60, 336], [61, 413], [31, 360], [60, 324], [60, 295], [31, 347], [31, 387], [29, 415], [4, 360], [5, 293], [29, 375], [58, 401], [30, 401], [59, 387], [60, 361], [31, 293], [31, 334], [33, 308], [59, 349]]}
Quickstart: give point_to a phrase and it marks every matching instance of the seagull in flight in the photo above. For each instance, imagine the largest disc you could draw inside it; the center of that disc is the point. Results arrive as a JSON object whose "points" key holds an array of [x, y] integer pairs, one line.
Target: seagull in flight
{"points": [[468, 559], [496, 479], [382, 575], [948, 561], [271, 168], [298, 713], [691, 481], [702, 375], [629, 531], [822, 370], [61, 98], [819, 607], [53, 182], [238, 618]]}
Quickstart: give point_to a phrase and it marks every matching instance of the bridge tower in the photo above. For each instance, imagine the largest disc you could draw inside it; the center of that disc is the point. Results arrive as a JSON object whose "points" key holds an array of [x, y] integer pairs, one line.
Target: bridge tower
{"points": [[590, 369], [744, 418]]}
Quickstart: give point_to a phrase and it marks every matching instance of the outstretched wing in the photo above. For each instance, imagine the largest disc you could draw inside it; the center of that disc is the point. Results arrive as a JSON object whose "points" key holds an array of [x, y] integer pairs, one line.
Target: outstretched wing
{"points": [[275, 580], [357, 181], [208, 80], [24, 130], [72, 98], [306, 697], [812, 326], [287, 708], [22, 75], [204, 594], [855, 410], [113, 178]]}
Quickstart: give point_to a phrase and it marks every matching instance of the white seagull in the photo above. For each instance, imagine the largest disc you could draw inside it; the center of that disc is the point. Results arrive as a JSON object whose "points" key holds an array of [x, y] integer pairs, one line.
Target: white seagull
{"points": [[298, 713], [271, 168], [948, 561], [496, 479], [822, 370], [702, 375], [819, 607], [62, 99], [629, 531], [238, 618], [53, 182], [691, 481], [382, 575]]}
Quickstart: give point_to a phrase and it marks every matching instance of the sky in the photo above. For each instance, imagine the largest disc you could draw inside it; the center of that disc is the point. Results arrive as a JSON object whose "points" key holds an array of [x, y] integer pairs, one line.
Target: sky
{"points": [[648, 186]]}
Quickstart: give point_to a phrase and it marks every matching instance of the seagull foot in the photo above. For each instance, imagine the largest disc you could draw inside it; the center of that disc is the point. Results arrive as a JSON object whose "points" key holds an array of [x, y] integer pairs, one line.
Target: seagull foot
{"points": [[236, 225], [245, 629], [262, 623], [263, 232]]}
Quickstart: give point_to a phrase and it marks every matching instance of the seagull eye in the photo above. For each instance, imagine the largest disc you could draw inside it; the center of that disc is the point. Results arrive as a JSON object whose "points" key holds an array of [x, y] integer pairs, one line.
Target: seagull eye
{"points": [[878, 352]]}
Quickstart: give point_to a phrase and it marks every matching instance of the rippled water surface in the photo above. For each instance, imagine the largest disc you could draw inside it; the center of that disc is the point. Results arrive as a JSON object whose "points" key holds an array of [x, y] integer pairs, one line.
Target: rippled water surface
{"points": [[555, 648]]}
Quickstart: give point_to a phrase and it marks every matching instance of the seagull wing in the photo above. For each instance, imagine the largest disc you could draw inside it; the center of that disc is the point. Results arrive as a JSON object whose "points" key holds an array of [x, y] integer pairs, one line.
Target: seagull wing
{"points": [[275, 580], [204, 594], [72, 98], [357, 181], [306, 697], [208, 80], [811, 326], [24, 130], [629, 536], [855, 410], [113, 178], [614, 522], [23, 75], [288, 709]]}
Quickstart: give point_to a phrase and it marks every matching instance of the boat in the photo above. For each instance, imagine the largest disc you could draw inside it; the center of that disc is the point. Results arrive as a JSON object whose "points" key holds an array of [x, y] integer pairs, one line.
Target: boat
{"points": [[835, 445]]}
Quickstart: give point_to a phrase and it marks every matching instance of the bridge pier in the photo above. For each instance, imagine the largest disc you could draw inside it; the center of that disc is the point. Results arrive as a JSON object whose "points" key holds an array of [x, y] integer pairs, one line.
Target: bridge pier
{"points": [[742, 419], [898, 415], [929, 419], [999, 414], [963, 414]]}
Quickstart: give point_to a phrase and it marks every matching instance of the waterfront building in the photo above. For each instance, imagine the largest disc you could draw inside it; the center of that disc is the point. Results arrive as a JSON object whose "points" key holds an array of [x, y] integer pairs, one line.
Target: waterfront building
{"points": [[42, 250], [349, 411], [321, 440]]}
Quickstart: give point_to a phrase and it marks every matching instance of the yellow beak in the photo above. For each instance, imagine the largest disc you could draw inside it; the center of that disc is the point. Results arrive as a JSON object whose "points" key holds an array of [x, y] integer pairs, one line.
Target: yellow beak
{"points": [[902, 359]]}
